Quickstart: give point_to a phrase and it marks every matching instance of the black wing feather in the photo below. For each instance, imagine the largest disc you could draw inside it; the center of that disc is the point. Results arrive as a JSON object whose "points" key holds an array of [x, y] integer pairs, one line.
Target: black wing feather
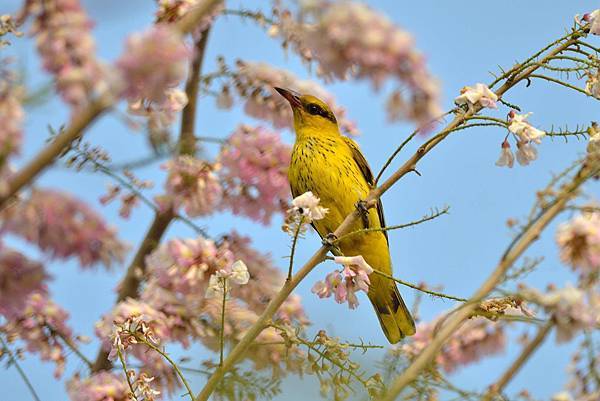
{"points": [[364, 168]]}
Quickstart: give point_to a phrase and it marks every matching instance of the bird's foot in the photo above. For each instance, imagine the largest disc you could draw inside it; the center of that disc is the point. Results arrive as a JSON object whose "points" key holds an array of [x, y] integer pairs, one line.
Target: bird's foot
{"points": [[363, 211], [329, 240]]}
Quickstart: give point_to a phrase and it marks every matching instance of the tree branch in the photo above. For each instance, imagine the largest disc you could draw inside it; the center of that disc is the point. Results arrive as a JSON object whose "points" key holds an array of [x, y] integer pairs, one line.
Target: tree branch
{"points": [[83, 119], [131, 283], [511, 372]]}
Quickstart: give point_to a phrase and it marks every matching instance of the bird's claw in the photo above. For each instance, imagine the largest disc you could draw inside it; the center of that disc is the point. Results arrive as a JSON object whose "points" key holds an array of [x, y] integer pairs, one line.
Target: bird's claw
{"points": [[329, 240], [363, 210]]}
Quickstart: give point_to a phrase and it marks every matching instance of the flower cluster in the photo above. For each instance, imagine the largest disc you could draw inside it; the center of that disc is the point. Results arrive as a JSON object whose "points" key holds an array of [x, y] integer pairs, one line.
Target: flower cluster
{"points": [[579, 243], [19, 278], [185, 265], [11, 115], [159, 115], [218, 284], [475, 339], [254, 82], [479, 95], [132, 331], [254, 172], [594, 20], [100, 386], [64, 227], [570, 311], [351, 39], [153, 61], [66, 45], [265, 278], [344, 284], [42, 327], [305, 209], [153, 64], [526, 135], [193, 185]]}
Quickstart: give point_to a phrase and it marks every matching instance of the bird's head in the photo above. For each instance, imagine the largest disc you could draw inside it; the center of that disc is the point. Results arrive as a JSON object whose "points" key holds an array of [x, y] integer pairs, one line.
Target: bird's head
{"points": [[310, 113]]}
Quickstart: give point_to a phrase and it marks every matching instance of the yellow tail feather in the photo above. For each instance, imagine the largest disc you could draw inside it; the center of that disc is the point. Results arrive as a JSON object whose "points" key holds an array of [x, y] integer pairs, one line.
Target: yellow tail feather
{"points": [[394, 317]]}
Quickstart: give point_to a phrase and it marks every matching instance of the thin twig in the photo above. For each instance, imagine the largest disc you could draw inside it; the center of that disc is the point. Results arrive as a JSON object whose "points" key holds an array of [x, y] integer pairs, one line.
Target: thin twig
{"points": [[13, 360], [172, 363], [418, 288], [558, 81], [69, 343], [293, 250], [424, 219], [222, 332]]}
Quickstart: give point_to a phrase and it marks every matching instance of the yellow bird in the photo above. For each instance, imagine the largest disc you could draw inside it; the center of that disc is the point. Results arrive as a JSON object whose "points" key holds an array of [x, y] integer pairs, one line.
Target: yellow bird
{"points": [[334, 169]]}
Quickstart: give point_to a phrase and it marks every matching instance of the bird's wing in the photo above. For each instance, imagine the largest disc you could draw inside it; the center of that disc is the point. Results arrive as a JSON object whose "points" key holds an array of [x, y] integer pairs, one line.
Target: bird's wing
{"points": [[364, 168]]}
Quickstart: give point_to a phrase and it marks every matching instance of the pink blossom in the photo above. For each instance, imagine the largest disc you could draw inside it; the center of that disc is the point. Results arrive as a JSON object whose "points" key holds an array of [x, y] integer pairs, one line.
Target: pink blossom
{"points": [[255, 82], [173, 10], [594, 19], [474, 340], [19, 278], [66, 45], [193, 185], [11, 115], [570, 311], [350, 39], [526, 153], [42, 325], [64, 227], [160, 115], [592, 86], [519, 126], [579, 243], [480, 94], [224, 278], [185, 265], [345, 283], [153, 62], [507, 158], [254, 173], [100, 386]]}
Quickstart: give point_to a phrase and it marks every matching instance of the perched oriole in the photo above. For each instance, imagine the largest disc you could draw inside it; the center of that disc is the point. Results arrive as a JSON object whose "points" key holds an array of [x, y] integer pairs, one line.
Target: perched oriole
{"points": [[334, 169]]}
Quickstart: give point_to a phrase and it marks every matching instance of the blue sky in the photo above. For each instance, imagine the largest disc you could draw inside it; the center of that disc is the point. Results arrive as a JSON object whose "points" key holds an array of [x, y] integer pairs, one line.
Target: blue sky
{"points": [[463, 42]]}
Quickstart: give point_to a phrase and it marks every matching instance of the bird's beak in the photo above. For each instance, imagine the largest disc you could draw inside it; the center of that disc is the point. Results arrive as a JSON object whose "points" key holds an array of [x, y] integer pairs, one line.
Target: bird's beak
{"points": [[290, 96]]}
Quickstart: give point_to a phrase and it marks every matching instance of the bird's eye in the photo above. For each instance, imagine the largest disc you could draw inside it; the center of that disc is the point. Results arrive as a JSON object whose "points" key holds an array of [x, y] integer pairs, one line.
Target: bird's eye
{"points": [[314, 109]]}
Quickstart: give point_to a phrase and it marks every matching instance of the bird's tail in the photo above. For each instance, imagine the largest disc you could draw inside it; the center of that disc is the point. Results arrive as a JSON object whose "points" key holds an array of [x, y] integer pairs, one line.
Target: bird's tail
{"points": [[393, 315]]}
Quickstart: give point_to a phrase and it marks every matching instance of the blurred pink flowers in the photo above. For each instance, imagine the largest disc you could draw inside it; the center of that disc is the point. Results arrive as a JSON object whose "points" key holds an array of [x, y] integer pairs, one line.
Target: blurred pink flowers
{"points": [[568, 307], [67, 48], [42, 326], [351, 39], [254, 173], [19, 278], [100, 386], [11, 115], [345, 283], [153, 62], [254, 82], [476, 339], [193, 185], [64, 227], [579, 243]]}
